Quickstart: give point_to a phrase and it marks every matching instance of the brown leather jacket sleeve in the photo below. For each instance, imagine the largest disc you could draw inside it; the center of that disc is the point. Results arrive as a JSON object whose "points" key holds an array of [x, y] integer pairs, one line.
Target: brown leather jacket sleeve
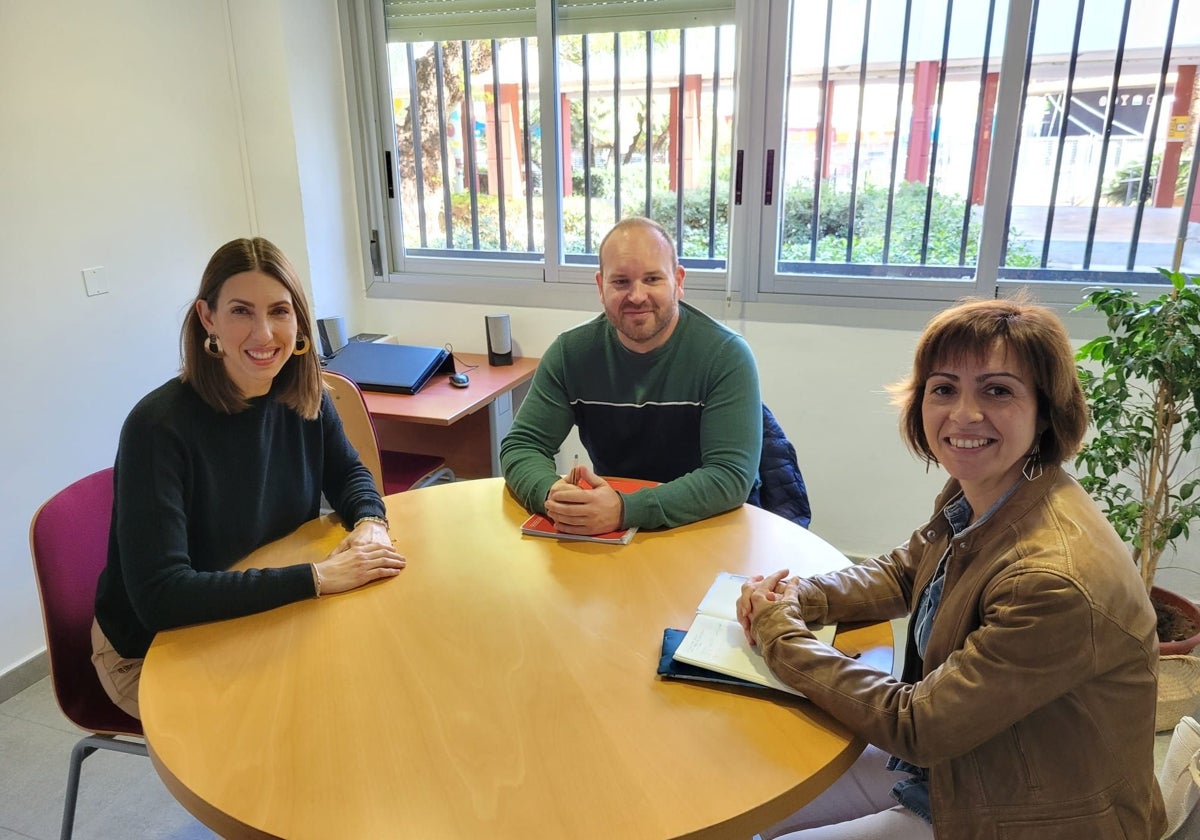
{"points": [[1029, 645]]}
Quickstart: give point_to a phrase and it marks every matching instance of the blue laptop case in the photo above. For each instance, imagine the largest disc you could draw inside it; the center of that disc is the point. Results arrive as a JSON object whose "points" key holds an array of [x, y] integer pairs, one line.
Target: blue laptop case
{"points": [[394, 368]]}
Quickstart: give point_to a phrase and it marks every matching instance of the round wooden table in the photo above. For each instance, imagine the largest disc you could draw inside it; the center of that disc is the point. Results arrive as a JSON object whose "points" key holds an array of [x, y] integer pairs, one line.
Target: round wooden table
{"points": [[502, 686]]}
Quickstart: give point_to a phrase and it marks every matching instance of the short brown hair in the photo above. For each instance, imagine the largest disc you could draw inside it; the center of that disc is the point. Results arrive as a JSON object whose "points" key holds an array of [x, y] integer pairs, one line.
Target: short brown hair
{"points": [[298, 384], [1034, 335], [638, 221]]}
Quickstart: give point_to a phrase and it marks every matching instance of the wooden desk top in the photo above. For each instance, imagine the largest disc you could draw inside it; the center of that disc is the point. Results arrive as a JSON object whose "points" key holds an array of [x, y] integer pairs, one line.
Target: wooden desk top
{"points": [[441, 404], [502, 686]]}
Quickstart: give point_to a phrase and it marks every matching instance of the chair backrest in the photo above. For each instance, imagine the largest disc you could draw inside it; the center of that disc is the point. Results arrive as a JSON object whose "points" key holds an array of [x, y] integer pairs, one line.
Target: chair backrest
{"points": [[68, 539], [356, 421]]}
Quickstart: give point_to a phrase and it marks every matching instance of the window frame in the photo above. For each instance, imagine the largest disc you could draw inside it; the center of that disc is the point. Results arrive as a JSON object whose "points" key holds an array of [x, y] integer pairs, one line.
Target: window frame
{"points": [[555, 282]]}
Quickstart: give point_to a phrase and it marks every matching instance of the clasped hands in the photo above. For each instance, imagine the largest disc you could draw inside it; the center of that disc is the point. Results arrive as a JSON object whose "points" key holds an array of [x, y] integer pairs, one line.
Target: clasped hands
{"points": [[363, 555], [761, 591], [583, 503]]}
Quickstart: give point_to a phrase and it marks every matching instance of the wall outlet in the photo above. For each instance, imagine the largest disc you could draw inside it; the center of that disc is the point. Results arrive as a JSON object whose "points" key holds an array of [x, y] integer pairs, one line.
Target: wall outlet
{"points": [[95, 281]]}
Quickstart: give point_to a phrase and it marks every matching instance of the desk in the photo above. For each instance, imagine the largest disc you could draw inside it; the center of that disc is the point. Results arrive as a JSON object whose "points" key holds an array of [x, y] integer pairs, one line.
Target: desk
{"points": [[443, 420], [500, 687]]}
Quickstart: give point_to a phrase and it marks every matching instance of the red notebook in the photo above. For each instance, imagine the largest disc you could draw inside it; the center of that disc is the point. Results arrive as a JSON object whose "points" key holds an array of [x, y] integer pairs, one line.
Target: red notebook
{"points": [[539, 526]]}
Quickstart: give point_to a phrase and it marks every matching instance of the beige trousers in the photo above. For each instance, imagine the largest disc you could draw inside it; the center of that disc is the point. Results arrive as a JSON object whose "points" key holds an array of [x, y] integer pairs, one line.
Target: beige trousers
{"points": [[118, 675]]}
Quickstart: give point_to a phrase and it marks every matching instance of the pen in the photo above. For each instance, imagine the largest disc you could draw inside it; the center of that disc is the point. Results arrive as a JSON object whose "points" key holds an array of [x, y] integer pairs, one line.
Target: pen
{"points": [[573, 477]]}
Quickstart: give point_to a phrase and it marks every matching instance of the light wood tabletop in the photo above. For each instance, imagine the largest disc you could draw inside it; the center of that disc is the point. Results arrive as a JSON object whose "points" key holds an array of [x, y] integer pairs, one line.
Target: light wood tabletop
{"points": [[502, 686]]}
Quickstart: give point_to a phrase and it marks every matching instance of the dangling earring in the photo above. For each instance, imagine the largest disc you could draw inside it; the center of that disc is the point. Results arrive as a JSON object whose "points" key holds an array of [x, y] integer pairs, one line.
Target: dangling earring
{"points": [[302, 345], [212, 346], [1032, 470]]}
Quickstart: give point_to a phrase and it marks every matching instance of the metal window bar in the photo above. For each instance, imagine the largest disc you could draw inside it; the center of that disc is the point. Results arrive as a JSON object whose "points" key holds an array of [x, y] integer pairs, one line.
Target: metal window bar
{"points": [[1064, 126], [615, 155], [679, 141], [440, 73], [418, 157], [525, 139], [712, 146], [900, 77], [497, 100], [1012, 177], [587, 148], [937, 121], [1144, 185], [470, 153], [649, 122], [819, 156], [983, 74], [1189, 197], [858, 130], [1110, 113]]}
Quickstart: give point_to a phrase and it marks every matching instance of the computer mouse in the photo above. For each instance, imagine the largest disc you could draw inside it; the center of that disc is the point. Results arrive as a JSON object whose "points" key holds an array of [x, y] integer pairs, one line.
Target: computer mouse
{"points": [[460, 380]]}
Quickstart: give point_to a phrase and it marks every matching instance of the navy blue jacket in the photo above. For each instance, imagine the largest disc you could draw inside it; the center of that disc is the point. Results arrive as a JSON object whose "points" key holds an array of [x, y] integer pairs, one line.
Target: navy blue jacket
{"points": [[781, 489]]}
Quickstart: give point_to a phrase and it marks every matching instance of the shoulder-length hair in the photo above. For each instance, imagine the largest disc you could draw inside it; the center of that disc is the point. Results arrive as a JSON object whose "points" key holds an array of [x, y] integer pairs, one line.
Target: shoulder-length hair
{"points": [[1032, 334], [298, 383]]}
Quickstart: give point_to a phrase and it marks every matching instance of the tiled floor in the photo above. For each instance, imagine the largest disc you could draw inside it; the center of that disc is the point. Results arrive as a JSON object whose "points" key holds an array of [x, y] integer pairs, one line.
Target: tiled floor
{"points": [[120, 796]]}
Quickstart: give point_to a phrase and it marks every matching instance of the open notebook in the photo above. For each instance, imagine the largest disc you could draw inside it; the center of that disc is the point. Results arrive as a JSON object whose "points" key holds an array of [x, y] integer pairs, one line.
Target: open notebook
{"points": [[717, 643]]}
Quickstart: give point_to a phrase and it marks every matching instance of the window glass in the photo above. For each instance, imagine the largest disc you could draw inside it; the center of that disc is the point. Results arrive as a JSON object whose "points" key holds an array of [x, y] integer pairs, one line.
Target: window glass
{"points": [[889, 112], [468, 141], [647, 123]]}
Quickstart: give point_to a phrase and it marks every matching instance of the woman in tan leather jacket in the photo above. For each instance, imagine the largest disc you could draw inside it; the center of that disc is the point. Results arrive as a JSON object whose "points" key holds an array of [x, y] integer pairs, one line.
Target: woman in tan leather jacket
{"points": [[1026, 708]]}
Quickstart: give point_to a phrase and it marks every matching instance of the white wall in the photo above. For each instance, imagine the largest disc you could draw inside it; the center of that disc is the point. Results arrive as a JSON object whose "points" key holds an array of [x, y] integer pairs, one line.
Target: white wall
{"points": [[141, 134], [119, 150]]}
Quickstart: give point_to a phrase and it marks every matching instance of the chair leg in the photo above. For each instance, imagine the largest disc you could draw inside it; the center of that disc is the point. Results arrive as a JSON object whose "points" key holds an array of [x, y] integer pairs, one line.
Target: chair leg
{"points": [[83, 748], [445, 475]]}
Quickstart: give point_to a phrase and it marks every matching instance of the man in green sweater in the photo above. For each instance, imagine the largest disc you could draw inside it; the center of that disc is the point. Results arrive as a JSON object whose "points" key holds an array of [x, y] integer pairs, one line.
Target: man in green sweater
{"points": [[658, 390]]}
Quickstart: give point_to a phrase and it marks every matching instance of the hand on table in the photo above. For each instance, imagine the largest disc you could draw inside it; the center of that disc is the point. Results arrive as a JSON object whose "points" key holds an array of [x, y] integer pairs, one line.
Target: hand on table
{"points": [[367, 532], [351, 566], [759, 592], [583, 503]]}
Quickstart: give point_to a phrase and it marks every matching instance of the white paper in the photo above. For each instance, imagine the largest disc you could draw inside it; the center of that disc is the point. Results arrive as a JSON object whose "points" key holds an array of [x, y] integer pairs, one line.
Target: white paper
{"points": [[721, 646], [721, 601]]}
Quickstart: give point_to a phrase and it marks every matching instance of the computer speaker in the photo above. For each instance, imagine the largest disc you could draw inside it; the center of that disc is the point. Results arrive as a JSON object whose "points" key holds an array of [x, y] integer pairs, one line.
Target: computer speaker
{"points": [[332, 334], [499, 340]]}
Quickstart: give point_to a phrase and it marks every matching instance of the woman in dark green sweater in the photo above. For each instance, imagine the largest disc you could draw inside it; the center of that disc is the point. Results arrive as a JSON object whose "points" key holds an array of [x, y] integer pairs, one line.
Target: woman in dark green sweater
{"points": [[232, 454]]}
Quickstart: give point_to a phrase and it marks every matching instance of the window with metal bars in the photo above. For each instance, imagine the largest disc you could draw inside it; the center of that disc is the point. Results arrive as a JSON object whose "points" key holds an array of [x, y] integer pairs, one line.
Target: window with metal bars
{"points": [[885, 152], [870, 148], [638, 120]]}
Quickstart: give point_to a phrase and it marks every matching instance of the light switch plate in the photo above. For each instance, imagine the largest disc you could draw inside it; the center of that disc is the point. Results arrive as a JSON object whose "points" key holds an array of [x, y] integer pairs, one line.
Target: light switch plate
{"points": [[94, 281]]}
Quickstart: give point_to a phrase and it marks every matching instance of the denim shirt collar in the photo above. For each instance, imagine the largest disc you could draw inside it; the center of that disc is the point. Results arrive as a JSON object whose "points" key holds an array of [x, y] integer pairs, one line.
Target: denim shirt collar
{"points": [[958, 510]]}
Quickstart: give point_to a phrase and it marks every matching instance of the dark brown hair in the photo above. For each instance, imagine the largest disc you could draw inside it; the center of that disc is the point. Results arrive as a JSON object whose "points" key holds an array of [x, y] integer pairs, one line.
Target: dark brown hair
{"points": [[298, 383], [1032, 334]]}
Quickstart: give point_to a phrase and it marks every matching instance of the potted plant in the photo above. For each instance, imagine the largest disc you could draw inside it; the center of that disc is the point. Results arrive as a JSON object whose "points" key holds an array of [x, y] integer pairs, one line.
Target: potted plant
{"points": [[1142, 382]]}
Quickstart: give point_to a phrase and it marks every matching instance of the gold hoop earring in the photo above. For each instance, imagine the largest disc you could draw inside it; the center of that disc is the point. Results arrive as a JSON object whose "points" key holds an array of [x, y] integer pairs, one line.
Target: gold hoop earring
{"points": [[302, 345], [212, 346]]}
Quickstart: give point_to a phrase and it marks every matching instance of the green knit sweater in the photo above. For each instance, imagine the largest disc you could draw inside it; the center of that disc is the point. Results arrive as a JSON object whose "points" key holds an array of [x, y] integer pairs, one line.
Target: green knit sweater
{"points": [[687, 414]]}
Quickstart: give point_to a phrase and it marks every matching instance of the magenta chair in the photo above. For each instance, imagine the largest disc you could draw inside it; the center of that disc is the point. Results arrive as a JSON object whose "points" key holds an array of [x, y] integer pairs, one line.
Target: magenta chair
{"points": [[69, 543]]}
